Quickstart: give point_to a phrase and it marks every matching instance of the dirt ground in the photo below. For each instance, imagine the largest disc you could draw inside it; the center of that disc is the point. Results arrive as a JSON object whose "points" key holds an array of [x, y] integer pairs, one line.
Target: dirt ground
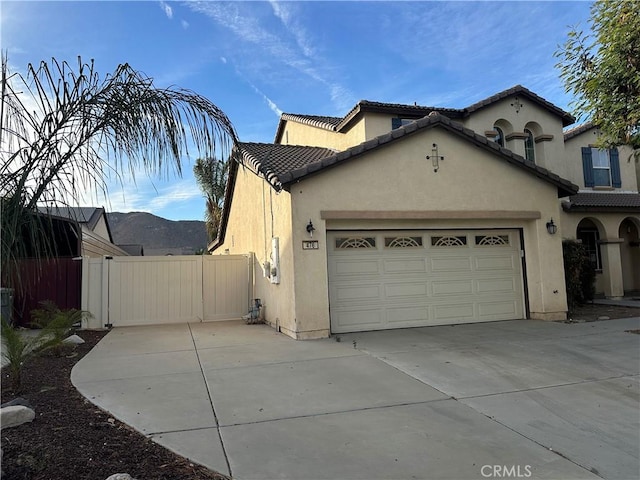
{"points": [[593, 312]]}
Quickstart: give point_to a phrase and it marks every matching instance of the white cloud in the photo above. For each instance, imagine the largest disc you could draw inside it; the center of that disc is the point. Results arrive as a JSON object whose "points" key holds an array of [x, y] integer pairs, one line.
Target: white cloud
{"points": [[178, 192], [144, 194], [286, 13], [272, 105], [287, 43], [184, 24], [167, 9]]}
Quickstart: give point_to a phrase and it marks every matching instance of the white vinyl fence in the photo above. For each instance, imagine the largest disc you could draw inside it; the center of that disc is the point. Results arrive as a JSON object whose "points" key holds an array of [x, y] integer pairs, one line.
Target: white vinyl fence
{"points": [[125, 291]]}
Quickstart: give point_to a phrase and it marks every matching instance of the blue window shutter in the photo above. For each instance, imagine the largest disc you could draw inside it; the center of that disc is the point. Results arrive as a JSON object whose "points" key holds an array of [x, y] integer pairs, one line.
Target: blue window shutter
{"points": [[587, 167], [614, 158], [396, 123]]}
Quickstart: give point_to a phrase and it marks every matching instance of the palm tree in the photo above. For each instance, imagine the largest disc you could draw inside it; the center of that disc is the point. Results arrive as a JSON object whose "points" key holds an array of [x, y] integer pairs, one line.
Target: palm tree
{"points": [[64, 130], [211, 175]]}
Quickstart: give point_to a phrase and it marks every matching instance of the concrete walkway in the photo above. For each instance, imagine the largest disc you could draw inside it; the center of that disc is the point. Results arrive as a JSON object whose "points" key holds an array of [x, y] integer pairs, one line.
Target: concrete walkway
{"points": [[518, 399]]}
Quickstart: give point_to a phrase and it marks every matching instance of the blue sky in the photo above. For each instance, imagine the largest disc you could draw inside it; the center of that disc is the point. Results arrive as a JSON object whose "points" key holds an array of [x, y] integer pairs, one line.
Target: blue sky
{"points": [[256, 60]]}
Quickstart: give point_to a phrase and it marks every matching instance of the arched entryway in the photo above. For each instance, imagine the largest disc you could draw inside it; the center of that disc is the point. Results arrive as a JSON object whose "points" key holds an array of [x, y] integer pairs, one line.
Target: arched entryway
{"points": [[630, 254], [589, 233]]}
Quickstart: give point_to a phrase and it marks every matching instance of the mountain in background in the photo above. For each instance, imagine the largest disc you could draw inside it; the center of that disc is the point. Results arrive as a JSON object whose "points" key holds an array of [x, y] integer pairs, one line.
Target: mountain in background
{"points": [[157, 235]]}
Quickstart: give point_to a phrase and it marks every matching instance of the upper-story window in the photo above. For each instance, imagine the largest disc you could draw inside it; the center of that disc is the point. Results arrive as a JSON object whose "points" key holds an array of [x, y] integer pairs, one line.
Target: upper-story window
{"points": [[499, 138], [401, 122], [601, 168], [529, 146]]}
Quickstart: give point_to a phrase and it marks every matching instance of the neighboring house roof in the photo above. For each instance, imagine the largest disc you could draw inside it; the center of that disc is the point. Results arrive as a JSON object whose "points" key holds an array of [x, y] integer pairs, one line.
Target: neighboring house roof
{"points": [[88, 216], [601, 201], [135, 250], [337, 124], [575, 131]]}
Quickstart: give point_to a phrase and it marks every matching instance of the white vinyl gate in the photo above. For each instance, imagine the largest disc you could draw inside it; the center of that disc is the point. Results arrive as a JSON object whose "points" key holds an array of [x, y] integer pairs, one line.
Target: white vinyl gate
{"points": [[126, 291]]}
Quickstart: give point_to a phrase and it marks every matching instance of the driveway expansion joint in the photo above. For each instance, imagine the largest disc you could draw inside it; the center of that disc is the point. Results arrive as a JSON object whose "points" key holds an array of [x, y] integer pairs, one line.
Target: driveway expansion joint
{"points": [[297, 361], [533, 440], [181, 430], [533, 389], [337, 412], [213, 408]]}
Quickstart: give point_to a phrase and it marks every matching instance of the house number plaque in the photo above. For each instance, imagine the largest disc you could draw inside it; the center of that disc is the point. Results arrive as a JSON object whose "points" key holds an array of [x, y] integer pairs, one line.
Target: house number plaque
{"points": [[310, 245]]}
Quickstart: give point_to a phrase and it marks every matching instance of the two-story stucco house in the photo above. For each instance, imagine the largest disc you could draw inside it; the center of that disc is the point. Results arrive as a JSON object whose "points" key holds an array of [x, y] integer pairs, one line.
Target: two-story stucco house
{"points": [[402, 215]]}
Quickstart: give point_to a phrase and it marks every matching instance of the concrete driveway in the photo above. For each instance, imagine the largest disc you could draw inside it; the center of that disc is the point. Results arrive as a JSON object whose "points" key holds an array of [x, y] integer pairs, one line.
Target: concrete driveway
{"points": [[516, 399]]}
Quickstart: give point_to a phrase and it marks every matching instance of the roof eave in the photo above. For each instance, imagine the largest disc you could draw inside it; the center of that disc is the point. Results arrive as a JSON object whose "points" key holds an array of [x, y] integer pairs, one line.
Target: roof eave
{"points": [[597, 209], [226, 206]]}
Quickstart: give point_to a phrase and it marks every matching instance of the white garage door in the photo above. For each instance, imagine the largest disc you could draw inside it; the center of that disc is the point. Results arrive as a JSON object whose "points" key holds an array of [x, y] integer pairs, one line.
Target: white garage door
{"points": [[389, 279]]}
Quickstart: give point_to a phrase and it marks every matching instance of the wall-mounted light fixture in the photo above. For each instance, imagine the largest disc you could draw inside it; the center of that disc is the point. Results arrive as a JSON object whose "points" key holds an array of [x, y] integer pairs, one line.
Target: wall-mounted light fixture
{"points": [[552, 228], [434, 157], [310, 228]]}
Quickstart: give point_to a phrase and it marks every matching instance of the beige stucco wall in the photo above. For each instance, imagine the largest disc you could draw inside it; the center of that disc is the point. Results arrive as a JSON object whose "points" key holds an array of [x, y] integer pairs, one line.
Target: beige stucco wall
{"points": [[257, 214], [398, 177], [300, 134], [549, 154]]}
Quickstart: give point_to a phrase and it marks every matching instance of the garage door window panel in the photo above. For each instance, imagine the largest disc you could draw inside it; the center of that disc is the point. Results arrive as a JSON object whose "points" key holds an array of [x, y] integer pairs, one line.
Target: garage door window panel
{"points": [[449, 241], [492, 240], [403, 242], [355, 242]]}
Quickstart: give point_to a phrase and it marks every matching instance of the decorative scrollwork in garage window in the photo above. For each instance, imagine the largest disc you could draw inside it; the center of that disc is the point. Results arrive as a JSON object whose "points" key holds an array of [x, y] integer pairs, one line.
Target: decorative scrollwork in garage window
{"points": [[402, 242], [492, 240], [355, 242], [449, 241]]}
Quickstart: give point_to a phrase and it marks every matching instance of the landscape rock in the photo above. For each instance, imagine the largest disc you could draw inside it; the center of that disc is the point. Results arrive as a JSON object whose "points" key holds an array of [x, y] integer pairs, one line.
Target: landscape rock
{"points": [[121, 476], [17, 401], [74, 340], [15, 415], [604, 317]]}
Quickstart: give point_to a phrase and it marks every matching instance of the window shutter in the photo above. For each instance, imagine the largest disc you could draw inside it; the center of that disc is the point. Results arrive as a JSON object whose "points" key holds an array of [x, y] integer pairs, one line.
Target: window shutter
{"points": [[396, 123], [614, 158], [587, 167]]}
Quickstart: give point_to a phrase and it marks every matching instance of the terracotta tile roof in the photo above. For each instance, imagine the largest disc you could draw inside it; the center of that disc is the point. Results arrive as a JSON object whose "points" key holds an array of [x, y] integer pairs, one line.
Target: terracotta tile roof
{"points": [[397, 109], [567, 118], [585, 127], [284, 164], [327, 123], [274, 160], [336, 124], [594, 201]]}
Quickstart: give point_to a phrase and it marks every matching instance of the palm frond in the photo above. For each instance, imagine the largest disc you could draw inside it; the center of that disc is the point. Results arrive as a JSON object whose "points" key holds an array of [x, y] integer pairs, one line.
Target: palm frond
{"points": [[65, 130]]}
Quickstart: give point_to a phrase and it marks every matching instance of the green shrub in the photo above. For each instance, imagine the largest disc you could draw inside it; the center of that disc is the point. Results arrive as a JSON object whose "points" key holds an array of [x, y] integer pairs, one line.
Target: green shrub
{"points": [[18, 348]]}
